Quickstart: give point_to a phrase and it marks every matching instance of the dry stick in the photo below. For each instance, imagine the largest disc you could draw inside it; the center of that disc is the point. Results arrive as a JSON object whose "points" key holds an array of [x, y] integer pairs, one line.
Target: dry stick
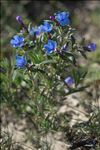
{"points": [[22, 144], [77, 120], [78, 110]]}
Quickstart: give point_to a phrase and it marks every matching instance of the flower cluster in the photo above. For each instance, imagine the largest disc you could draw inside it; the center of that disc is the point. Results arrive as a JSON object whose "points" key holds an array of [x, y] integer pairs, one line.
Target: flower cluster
{"points": [[18, 41], [53, 37]]}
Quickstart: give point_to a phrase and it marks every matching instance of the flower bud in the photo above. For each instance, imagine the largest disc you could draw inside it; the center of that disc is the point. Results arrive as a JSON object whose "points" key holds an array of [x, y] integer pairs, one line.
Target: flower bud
{"points": [[52, 18], [19, 19]]}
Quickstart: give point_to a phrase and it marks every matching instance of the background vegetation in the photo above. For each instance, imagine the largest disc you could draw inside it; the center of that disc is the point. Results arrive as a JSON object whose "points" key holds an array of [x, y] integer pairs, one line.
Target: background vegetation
{"points": [[74, 119]]}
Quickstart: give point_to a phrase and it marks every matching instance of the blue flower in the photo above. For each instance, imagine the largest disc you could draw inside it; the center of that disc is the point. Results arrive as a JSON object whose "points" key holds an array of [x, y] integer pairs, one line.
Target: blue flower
{"points": [[62, 18], [17, 41], [90, 47], [69, 80], [38, 30], [32, 31], [50, 46], [20, 61], [35, 31], [47, 27]]}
